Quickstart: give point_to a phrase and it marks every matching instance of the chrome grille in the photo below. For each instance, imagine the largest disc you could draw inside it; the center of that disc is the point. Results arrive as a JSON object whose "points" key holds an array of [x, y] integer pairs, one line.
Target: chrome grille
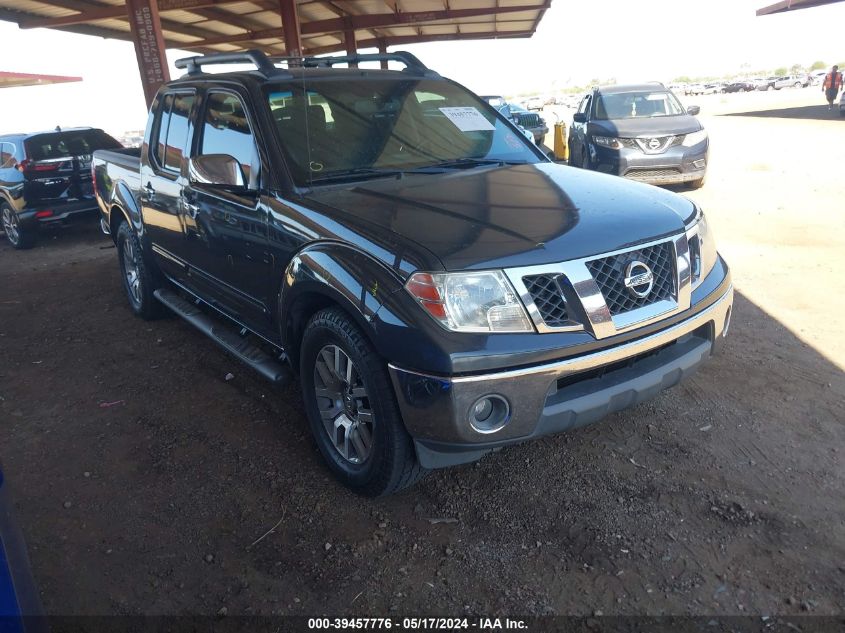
{"points": [[609, 274], [545, 292], [651, 173]]}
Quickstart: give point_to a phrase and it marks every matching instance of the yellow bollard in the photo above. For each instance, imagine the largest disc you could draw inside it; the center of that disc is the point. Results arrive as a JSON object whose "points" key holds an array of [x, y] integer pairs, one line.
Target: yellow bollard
{"points": [[561, 149]]}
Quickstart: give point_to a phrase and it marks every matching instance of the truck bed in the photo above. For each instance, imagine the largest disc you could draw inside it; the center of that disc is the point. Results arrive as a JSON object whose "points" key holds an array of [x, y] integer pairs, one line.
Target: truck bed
{"points": [[128, 158]]}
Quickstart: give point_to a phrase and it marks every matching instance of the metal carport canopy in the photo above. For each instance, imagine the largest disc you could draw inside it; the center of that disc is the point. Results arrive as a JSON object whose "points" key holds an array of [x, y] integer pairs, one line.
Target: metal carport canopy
{"points": [[791, 5], [292, 27], [16, 80]]}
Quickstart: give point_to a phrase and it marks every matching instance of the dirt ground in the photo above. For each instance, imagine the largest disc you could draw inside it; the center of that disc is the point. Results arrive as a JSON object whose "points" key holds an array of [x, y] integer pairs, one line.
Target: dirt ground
{"points": [[148, 484]]}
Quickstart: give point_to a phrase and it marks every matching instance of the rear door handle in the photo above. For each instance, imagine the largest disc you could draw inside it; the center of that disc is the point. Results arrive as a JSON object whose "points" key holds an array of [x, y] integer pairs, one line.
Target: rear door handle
{"points": [[149, 192], [190, 208]]}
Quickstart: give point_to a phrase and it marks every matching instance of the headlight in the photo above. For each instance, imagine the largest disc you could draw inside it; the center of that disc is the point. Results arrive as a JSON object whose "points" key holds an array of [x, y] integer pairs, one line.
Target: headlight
{"points": [[470, 302], [695, 138], [608, 141], [702, 245]]}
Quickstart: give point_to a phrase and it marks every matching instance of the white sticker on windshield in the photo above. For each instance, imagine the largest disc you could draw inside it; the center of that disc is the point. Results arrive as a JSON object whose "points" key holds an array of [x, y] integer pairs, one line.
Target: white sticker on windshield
{"points": [[468, 119]]}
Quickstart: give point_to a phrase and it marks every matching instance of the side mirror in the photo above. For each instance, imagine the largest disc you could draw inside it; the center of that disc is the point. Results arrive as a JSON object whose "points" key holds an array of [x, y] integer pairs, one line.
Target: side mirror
{"points": [[580, 117], [216, 169], [693, 110]]}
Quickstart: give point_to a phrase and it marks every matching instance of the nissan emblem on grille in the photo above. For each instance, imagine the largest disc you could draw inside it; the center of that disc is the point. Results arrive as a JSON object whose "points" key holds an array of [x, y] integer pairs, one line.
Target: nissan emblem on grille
{"points": [[639, 279], [654, 143]]}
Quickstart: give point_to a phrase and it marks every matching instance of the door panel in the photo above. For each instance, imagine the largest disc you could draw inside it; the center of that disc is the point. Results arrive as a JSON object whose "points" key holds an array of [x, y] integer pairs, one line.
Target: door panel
{"points": [[162, 181], [226, 228]]}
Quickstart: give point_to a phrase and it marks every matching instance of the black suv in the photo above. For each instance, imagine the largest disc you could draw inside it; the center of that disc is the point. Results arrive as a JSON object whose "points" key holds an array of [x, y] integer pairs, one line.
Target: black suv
{"points": [[641, 132], [46, 177]]}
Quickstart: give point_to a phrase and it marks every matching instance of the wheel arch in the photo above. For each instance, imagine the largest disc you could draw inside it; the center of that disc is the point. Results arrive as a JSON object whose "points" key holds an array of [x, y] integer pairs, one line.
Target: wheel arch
{"points": [[332, 274]]}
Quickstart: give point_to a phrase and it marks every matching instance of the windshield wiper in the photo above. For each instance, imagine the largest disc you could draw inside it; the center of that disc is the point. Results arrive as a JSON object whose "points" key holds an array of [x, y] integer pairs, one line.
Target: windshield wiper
{"points": [[358, 173], [468, 163]]}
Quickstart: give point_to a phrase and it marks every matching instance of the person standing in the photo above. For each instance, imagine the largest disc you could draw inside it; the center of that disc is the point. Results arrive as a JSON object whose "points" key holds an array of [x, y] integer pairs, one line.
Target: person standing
{"points": [[832, 84]]}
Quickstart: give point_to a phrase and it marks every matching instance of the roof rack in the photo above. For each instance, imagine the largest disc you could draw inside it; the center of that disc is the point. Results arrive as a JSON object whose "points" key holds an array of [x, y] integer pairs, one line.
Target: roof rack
{"points": [[266, 65], [262, 63], [411, 61]]}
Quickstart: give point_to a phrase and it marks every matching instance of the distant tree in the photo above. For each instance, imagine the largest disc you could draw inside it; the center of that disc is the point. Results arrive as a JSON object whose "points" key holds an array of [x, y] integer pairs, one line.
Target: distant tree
{"points": [[683, 79], [797, 69], [780, 71], [817, 66]]}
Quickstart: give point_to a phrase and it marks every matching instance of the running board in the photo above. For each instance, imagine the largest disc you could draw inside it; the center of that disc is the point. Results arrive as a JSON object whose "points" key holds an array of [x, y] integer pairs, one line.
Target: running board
{"points": [[251, 355]]}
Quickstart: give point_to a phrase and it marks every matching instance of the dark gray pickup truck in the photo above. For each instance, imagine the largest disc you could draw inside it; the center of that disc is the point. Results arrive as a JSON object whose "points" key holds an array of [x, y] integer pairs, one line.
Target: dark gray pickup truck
{"points": [[440, 288]]}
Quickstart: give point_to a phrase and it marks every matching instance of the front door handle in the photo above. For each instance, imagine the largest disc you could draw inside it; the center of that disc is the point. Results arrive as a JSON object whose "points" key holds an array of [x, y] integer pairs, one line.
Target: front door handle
{"points": [[149, 192]]}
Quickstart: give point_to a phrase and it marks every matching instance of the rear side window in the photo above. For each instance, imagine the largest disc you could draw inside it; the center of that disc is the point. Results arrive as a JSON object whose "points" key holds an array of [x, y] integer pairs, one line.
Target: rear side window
{"points": [[7, 156], [67, 144], [226, 131], [172, 136]]}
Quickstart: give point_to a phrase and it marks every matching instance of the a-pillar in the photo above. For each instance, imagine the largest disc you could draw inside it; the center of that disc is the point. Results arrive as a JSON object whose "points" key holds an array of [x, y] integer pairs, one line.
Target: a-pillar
{"points": [[145, 27], [290, 28]]}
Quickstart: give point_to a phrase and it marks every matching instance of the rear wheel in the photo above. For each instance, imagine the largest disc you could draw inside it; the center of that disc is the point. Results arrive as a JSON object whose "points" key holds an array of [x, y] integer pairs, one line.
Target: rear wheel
{"points": [[352, 410], [18, 236], [139, 280]]}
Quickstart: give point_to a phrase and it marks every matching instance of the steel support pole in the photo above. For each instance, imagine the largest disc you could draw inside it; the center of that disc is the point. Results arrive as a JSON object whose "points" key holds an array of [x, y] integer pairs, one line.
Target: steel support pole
{"points": [[351, 44], [382, 48], [290, 28], [145, 27]]}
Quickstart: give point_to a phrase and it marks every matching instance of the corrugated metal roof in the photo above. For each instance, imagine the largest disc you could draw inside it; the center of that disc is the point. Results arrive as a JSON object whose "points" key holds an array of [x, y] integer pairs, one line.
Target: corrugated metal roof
{"points": [[220, 25]]}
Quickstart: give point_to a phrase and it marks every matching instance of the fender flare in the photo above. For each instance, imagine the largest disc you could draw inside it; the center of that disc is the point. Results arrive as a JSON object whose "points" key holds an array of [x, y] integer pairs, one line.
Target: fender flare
{"points": [[123, 199], [324, 273]]}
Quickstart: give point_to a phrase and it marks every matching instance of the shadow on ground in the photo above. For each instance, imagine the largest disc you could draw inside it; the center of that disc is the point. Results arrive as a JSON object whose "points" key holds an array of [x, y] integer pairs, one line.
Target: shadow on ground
{"points": [[819, 112]]}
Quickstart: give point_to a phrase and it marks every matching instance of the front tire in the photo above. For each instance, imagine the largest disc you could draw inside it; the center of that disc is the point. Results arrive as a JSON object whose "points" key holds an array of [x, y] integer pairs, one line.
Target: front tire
{"points": [[352, 410], [19, 237], [137, 274]]}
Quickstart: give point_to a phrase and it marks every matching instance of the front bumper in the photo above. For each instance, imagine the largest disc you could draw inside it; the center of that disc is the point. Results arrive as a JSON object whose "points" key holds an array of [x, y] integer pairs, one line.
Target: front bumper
{"points": [[676, 165], [553, 397]]}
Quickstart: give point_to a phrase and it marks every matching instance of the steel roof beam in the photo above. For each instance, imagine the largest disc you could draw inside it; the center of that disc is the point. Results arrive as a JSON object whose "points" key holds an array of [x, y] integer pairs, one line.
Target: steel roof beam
{"points": [[367, 22]]}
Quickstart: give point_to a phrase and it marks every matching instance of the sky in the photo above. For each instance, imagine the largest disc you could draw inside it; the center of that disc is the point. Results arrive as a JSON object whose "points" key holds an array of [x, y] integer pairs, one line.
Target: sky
{"points": [[631, 41]]}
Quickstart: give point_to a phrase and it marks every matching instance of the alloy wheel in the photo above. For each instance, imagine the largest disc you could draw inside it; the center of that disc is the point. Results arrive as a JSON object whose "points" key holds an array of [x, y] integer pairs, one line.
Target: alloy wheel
{"points": [[131, 274], [344, 404], [10, 225]]}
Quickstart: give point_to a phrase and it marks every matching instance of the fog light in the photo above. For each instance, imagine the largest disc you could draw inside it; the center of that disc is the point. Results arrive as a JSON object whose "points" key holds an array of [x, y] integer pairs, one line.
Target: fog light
{"points": [[489, 414], [727, 324], [698, 164]]}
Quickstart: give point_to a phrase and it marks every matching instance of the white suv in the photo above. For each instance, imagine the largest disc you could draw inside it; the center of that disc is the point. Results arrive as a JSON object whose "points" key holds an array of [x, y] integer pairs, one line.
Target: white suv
{"points": [[789, 81]]}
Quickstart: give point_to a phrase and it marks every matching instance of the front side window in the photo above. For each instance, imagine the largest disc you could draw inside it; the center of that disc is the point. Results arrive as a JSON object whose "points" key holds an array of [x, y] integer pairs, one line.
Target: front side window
{"points": [[637, 105], [337, 128], [226, 130]]}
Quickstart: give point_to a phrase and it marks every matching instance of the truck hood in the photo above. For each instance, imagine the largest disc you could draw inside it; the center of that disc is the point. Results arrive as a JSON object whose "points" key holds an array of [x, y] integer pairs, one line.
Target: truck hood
{"points": [[509, 216], [646, 127]]}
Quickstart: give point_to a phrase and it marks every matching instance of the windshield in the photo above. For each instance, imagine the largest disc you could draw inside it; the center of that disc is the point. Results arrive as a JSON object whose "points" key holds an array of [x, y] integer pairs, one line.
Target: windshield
{"points": [[70, 143], [638, 105], [366, 127]]}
